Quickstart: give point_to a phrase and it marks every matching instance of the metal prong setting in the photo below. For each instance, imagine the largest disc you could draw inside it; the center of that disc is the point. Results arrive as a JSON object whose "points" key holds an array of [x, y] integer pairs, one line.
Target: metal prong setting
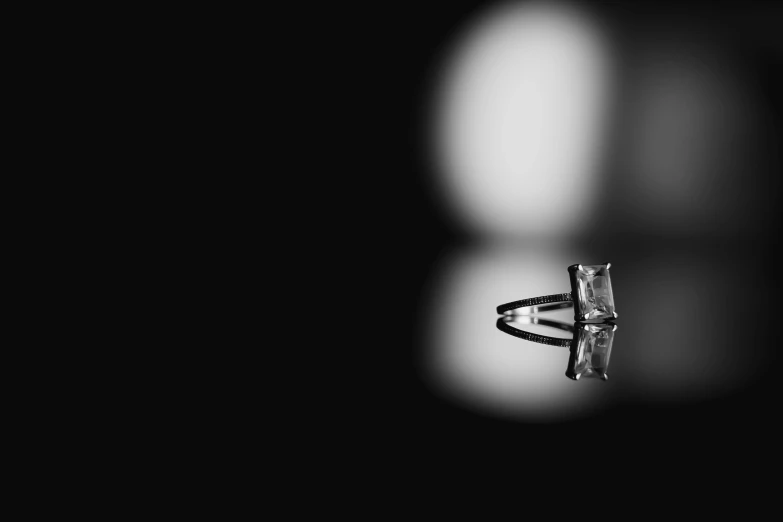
{"points": [[608, 266], [615, 314], [581, 267], [615, 328]]}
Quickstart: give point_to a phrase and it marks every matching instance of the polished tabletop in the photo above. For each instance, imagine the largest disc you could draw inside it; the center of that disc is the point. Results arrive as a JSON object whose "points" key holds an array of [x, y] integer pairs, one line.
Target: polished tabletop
{"points": [[680, 340]]}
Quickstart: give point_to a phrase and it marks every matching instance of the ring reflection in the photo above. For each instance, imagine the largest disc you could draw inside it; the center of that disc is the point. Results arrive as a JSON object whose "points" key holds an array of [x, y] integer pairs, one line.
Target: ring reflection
{"points": [[590, 346]]}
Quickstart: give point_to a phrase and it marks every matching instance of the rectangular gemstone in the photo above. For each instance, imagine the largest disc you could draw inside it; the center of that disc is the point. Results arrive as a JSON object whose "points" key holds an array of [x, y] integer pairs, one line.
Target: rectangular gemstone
{"points": [[590, 351], [593, 292]]}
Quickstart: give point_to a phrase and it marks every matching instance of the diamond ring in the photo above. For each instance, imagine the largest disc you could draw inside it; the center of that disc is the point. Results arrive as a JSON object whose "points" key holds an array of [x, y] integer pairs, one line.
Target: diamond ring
{"points": [[590, 346], [590, 295]]}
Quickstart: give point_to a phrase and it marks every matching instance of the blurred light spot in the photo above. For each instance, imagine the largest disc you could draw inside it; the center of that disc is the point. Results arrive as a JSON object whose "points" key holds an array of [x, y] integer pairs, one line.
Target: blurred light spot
{"points": [[519, 119], [676, 350], [686, 138]]}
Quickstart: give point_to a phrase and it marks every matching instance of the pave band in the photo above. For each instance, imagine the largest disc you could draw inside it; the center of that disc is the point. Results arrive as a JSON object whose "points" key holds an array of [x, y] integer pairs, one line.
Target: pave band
{"points": [[535, 303], [502, 324]]}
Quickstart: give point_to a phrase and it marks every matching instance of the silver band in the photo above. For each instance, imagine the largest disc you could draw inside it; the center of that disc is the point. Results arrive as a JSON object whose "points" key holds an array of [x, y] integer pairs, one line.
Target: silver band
{"points": [[534, 304]]}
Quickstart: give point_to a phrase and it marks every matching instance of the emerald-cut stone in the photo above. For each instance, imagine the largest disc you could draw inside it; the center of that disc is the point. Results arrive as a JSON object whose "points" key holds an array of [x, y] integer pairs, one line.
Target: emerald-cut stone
{"points": [[593, 292], [590, 351]]}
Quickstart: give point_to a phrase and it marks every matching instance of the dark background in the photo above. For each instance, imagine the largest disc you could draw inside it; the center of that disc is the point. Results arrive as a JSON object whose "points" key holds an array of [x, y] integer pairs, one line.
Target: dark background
{"points": [[739, 301]]}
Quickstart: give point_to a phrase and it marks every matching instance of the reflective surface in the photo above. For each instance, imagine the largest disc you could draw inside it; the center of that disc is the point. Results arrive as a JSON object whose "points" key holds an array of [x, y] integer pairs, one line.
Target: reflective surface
{"points": [[678, 345]]}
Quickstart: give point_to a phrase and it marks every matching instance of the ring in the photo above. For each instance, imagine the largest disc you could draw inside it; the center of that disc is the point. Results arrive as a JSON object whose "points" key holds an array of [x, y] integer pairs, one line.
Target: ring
{"points": [[590, 347], [590, 295]]}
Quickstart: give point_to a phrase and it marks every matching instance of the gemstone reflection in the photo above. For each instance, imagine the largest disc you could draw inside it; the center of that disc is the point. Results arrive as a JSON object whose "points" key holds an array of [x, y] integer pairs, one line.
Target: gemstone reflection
{"points": [[590, 351]]}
